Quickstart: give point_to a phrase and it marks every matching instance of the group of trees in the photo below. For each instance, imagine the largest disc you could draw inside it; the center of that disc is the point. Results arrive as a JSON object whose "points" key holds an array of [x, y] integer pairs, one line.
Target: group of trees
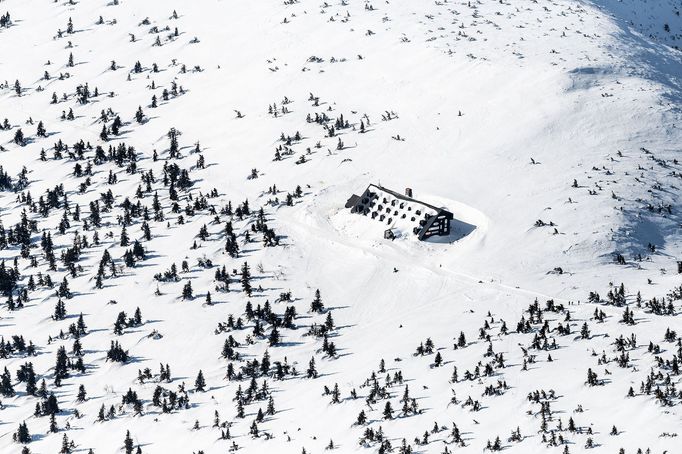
{"points": [[5, 20], [85, 227]]}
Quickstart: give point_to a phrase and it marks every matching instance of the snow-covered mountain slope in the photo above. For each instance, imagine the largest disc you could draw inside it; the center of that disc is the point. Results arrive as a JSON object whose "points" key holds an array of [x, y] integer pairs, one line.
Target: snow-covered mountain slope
{"points": [[550, 129]]}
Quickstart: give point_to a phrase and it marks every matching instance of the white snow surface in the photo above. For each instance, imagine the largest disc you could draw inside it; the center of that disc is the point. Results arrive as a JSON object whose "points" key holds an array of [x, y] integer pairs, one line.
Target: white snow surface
{"points": [[587, 90]]}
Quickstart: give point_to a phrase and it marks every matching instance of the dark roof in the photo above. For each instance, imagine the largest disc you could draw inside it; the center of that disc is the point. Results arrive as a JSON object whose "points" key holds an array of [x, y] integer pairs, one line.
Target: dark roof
{"points": [[352, 201], [424, 225], [410, 199]]}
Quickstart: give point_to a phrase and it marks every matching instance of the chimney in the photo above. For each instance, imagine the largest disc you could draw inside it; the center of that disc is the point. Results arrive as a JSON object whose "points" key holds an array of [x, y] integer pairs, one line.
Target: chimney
{"points": [[408, 192]]}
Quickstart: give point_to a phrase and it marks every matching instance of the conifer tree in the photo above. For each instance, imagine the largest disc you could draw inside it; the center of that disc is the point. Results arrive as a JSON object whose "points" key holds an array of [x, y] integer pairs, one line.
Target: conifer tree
{"points": [[81, 394], [22, 435], [274, 337], [246, 279], [64, 291], [53, 424], [461, 341], [19, 138], [59, 310], [66, 446], [139, 115], [125, 240], [200, 383], [317, 305], [388, 411], [253, 430], [312, 371], [187, 291], [438, 360], [128, 443], [30, 380], [329, 322], [51, 406], [60, 368], [137, 317], [271, 406], [41, 132]]}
